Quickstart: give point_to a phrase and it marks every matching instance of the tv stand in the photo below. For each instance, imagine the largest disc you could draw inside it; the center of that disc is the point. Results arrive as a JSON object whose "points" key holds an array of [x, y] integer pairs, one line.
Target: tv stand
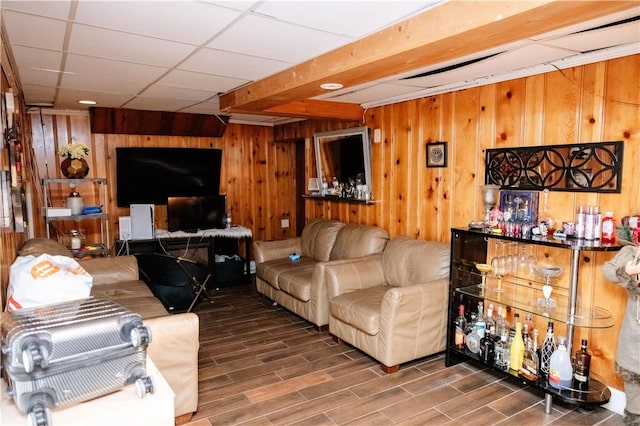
{"points": [[205, 238]]}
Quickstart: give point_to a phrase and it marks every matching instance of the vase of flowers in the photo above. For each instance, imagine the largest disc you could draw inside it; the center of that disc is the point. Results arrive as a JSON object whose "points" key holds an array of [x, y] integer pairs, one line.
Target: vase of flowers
{"points": [[74, 166]]}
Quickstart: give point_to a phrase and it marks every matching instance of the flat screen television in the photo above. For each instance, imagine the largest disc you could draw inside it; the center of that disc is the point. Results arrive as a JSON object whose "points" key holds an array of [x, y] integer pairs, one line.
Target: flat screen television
{"points": [[151, 175], [190, 214]]}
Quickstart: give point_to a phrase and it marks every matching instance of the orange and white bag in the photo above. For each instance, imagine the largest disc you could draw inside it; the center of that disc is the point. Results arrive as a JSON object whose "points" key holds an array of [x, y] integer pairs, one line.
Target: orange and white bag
{"points": [[46, 279]]}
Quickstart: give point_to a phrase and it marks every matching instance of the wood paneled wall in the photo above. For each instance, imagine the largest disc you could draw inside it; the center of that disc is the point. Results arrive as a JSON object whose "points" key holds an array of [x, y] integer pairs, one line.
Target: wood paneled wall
{"points": [[597, 102]]}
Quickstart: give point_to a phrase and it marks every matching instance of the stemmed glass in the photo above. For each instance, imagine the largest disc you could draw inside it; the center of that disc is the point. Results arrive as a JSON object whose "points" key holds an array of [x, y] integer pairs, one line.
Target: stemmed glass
{"points": [[500, 266], [484, 270], [548, 272]]}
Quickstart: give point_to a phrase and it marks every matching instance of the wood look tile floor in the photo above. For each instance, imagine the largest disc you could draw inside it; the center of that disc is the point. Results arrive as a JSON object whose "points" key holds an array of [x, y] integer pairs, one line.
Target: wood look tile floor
{"points": [[262, 365]]}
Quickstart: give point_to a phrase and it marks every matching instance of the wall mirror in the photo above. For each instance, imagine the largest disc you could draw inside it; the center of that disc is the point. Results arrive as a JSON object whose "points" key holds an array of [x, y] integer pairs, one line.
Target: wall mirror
{"points": [[346, 155], [585, 167]]}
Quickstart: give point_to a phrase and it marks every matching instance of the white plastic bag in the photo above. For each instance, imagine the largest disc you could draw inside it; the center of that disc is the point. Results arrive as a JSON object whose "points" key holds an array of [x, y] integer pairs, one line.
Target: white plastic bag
{"points": [[46, 279]]}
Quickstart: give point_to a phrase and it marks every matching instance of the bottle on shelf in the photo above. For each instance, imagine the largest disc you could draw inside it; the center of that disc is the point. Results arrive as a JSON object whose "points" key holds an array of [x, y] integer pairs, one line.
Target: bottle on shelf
{"points": [[536, 348], [487, 346], [461, 325], [528, 324], [529, 369], [481, 323], [516, 351], [581, 217], [608, 234], [548, 347], [582, 366], [501, 351], [560, 370], [489, 320], [501, 321]]}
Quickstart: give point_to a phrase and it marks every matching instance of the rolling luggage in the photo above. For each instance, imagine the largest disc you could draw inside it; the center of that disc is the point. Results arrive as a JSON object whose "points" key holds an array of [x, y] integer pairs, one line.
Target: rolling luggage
{"points": [[62, 354]]}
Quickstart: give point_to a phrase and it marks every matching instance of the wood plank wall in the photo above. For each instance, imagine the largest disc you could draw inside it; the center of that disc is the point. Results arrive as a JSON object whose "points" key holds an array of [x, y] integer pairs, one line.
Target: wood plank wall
{"points": [[597, 102]]}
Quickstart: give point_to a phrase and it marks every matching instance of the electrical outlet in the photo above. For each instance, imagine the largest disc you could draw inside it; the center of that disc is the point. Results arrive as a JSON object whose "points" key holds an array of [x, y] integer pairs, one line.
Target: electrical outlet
{"points": [[284, 223]]}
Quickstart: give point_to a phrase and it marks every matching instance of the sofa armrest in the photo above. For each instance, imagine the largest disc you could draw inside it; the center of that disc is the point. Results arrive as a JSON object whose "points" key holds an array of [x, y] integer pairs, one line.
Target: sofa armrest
{"points": [[345, 276], [414, 317], [264, 251], [174, 350], [108, 270]]}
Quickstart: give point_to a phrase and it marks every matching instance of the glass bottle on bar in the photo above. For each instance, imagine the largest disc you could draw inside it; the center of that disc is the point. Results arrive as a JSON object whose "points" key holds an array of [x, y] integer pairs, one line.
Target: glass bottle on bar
{"points": [[501, 351], [461, 325], [581, 367], [481, 323], [487, 346], [548, 347], [529, 369], [516, 352]]}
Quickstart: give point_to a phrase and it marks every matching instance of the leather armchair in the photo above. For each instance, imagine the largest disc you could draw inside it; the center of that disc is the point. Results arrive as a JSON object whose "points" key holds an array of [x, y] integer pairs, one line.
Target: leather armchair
{"points": [[392, 306]]}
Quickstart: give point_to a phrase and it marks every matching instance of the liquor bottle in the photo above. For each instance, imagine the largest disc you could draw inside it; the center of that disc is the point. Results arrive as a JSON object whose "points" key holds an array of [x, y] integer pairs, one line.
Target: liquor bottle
{"points": [[536, 348], [487, 346], [581, 217], [516, 351], [528, 324], [461, 325], [548, 347], [529, 369], [501, 322], [501, 352], [582, 367], [489, 320], [560, 370], [481, 324]]}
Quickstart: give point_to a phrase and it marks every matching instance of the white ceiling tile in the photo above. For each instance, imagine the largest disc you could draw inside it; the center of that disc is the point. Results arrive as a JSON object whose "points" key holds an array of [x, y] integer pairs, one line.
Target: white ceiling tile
{"points": [[158, 104], [91, 41], [58, 9], [379, 91], [208, 107], [38, 66], [599, 39], [187, 22], [132, 75], [68, 99], [219, 62], [348, 18], [33, 31], [166, 92], [239, 5], [39, 94], [199, 81], [267, 38]]}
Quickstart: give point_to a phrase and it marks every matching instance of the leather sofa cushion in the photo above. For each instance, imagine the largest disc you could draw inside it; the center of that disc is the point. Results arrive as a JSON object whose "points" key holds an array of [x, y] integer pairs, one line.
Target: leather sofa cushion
{"points": [[134, 295], [406, 261], [318, 237], [360, 309], [296, 281], [355, 240], [271, 270]]}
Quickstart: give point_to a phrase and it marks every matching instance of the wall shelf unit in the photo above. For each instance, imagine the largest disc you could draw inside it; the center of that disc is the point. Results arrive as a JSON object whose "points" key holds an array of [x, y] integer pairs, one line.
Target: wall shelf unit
{"points": [[470, 247], [91, 189]]}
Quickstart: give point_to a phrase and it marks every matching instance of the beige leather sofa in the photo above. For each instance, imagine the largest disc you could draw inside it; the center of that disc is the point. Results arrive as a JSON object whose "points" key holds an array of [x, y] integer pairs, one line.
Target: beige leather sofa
{"points": [[174, 343], [298, 285], [392, 306]]}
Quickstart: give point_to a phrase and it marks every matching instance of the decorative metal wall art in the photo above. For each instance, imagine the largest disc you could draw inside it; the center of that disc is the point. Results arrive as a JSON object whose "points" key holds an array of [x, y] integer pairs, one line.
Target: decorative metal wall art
{"points": [[584, 167]]}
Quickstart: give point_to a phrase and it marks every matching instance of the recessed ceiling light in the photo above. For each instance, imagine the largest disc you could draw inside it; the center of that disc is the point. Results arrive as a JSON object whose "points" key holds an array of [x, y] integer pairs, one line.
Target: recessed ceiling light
{"points": [[87, 102], [331, 86]]}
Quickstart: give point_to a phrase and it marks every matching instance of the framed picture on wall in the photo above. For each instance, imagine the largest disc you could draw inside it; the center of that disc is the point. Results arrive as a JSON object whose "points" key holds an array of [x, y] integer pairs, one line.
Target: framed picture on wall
{"points": [[436, 154]]}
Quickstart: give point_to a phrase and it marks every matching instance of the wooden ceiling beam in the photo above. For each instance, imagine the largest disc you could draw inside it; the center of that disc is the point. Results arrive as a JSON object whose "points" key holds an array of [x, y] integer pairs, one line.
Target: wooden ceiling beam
{"points": [[448, 31], [315, 108]]}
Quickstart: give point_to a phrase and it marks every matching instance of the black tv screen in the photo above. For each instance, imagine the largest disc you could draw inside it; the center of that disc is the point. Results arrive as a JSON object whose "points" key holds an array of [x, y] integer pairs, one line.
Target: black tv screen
{"points": [[151, 175], [190, 214]]}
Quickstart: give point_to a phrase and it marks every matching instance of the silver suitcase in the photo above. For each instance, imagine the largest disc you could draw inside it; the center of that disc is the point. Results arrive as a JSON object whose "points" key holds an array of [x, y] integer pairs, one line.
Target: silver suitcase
{"points": [[58, 355]]}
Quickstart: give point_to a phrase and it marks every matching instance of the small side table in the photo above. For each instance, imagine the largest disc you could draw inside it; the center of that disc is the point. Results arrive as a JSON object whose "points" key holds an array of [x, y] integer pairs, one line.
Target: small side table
{"points": [[119, 408]]}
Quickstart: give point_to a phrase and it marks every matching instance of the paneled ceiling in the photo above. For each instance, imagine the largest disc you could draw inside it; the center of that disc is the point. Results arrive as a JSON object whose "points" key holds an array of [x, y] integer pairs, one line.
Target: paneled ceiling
{"points": [[262, 61]]}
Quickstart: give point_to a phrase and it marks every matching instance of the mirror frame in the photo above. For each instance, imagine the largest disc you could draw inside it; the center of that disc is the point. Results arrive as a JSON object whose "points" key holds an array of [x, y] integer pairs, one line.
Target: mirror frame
{"points": [[583, 167], [363, 131]]}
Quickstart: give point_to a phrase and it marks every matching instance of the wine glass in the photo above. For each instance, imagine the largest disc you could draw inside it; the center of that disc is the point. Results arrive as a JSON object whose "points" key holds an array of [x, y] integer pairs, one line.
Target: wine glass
{"points": [[499, 268], [548, 272], [484, 270]]}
